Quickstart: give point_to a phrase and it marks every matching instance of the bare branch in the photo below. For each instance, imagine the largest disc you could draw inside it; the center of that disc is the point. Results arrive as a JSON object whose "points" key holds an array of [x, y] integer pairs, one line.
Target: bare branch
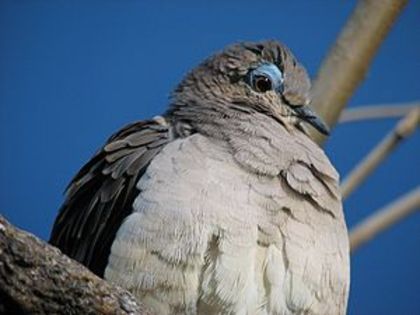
{"points": [[384, 218], [377, 112], [348, 60], [36, 278], [403, 129]]}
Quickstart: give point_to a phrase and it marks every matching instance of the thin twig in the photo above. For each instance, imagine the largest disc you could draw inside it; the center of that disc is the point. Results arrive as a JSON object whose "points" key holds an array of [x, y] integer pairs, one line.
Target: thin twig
{"points": [[404, 128], [384, 218], [376, 112], [349, 59]]}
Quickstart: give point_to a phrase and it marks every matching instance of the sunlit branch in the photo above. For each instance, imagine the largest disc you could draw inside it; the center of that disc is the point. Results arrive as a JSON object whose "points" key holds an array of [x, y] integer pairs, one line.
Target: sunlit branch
{"points": [[402, 130], [384, 218], [377, 112], [348, 60]]}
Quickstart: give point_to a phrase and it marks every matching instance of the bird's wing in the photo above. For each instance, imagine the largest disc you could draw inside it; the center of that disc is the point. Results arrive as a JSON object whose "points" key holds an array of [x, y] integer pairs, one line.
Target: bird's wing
{"points": [[101, 195], [312, 176]]}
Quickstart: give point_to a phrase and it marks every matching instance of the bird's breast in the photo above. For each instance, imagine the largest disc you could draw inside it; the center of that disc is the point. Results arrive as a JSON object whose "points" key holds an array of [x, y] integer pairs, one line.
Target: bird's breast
{"points": [[209, 237]]}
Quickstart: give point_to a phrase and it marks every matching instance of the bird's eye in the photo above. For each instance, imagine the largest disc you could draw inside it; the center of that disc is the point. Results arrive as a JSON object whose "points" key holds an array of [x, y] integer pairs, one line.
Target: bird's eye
{"points": [[265, 78], [262, 84]]}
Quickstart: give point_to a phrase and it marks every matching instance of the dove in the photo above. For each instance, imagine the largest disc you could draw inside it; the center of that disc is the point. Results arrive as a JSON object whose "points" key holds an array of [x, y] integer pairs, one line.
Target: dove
{"points": [[221, 205]]}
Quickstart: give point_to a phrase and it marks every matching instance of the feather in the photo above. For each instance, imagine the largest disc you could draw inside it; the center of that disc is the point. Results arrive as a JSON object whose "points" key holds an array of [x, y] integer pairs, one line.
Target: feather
{"points": [[102, 193]]}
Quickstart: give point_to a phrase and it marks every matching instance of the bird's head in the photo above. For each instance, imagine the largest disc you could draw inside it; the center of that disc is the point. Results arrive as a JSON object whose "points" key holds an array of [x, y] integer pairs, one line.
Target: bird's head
{"points": [[248, 77]]}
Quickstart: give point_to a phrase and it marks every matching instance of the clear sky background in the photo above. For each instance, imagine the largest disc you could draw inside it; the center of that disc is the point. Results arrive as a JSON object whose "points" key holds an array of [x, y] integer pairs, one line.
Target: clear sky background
{"points": [[73, 72]]}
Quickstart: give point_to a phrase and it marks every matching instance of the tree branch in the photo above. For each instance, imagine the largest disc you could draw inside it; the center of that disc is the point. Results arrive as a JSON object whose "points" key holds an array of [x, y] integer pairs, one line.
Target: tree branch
{"points": [[36, 278], [349, 59], [384, 218], [377, 112], [402, 130]]}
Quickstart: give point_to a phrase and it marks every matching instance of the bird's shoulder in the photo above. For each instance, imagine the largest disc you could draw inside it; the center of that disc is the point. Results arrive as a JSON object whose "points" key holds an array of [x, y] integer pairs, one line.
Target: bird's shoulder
{"points": [[101, 195]]}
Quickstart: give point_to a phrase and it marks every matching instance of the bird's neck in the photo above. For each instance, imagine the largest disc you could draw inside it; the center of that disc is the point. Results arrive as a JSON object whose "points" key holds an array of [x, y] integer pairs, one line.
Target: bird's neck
{"points": [[258, 142]]}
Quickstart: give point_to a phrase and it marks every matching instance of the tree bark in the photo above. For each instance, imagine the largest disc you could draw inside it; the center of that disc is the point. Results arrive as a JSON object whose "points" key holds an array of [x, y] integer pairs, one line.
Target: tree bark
{"points": [[36, 278]]}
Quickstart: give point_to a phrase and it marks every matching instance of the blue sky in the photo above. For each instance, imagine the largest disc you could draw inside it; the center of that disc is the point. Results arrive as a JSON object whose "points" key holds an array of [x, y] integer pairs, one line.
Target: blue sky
{"points": [[73, 72]]}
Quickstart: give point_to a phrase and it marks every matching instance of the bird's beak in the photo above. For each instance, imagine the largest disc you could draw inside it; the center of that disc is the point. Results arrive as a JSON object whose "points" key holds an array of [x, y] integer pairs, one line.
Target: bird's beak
{"points": [[308, 115]]}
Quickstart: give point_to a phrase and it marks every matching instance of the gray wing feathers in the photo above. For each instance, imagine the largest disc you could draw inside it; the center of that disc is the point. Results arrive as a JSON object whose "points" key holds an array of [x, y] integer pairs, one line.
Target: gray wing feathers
{"points": [[311, 175], [274, 151], [101, 194]]}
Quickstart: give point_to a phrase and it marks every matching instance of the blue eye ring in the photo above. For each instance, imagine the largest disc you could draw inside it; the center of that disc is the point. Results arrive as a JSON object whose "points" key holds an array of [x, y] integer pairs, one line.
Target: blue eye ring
{"points": [[265, 78]]}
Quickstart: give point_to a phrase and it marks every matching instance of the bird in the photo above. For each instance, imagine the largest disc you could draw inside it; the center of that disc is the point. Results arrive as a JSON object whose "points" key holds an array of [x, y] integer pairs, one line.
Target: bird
{"points": [[221, 205]]}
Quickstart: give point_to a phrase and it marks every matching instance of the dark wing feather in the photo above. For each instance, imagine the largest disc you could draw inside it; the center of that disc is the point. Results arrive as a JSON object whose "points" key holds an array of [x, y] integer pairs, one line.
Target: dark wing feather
{"points": [[101, 195]]}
